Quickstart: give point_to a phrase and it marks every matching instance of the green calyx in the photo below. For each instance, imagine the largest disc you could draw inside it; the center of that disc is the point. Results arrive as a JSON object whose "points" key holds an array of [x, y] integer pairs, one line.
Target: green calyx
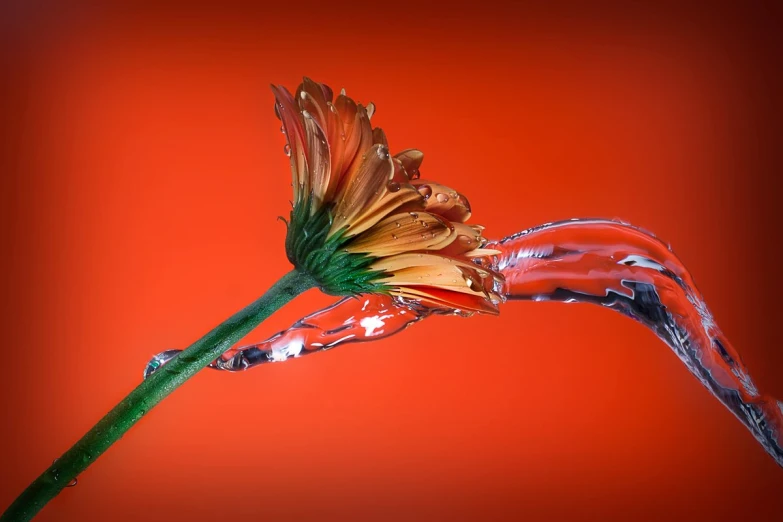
{"points": [[336, 271]]}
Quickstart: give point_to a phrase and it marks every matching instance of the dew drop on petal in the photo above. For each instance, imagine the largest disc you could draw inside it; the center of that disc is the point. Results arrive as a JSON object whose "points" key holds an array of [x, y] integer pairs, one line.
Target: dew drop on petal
{"points": [[415, 174], [425, 191], [287, 150], [382, 152], [442, 198], [414, 215], [394, 236], [393, 186]]}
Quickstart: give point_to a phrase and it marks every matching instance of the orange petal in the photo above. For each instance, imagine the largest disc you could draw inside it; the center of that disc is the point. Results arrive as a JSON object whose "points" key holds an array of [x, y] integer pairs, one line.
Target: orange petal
{"points": [[378, 136], [391, 201], [360, 138], [443, 200], [449, 300], [446, 277], [318, 162], [411, 160], [288, 112], [362, 187], [403, 233], [347, 110], [335, 134], [467, 238]]}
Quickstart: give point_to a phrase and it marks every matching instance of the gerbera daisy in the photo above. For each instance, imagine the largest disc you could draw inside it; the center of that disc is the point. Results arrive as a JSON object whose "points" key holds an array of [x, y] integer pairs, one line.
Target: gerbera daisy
{"points": [[363, 221]]}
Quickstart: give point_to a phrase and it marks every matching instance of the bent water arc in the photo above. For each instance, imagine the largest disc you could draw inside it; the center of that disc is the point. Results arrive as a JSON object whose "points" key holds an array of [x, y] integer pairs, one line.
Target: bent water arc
{"points": [[607, 263]]}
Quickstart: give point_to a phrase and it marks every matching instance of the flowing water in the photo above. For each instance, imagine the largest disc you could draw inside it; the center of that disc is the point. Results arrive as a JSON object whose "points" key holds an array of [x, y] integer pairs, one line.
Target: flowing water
{"points": [[608, 263]]}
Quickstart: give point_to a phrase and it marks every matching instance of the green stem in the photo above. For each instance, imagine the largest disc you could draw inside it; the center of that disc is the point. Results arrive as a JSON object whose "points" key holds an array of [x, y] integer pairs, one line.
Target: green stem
{"points": [[149, 393]]}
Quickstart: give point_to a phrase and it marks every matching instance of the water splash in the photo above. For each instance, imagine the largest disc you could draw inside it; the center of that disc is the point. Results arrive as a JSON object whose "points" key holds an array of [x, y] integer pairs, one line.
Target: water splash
{"points": [[608, 263]]}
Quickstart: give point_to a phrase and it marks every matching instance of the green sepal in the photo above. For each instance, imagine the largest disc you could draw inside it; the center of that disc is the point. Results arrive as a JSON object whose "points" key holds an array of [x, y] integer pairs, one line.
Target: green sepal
{"points": [[326, 260]]}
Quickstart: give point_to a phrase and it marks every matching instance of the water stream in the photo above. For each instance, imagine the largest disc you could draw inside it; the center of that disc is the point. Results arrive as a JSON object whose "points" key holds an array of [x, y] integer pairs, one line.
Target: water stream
{"points": [[607, 263]]}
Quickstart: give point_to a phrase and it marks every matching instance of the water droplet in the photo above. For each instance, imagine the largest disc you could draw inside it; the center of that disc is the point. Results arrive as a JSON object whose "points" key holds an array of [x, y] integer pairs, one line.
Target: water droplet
{"points": [[282, 129], [472, 283], [393, 186], [415, 174], [382, 152], [425, 191], [424, 223], [442, 198], [159, 360], [287, 150], [414, 215], [72, 483], [394, 236], [55, 474], [398, 224]]}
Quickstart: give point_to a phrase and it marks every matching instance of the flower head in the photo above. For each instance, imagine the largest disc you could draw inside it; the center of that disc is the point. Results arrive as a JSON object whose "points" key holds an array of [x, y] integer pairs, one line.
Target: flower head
{"points": [[364, 222]]}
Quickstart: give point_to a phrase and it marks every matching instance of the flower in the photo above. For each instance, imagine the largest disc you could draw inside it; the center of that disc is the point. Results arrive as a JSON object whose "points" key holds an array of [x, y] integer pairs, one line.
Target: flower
{"points": [[364, 222]]}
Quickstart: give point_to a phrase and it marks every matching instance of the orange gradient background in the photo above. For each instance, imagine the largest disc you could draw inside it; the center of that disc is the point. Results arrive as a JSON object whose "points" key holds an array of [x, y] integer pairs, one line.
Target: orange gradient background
{"points": [[143, 175]]}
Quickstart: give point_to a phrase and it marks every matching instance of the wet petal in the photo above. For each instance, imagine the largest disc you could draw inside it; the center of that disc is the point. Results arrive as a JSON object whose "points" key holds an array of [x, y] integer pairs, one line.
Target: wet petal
{"points": [[335, 134], [362, 187], [411, 160], [288, 112], [466, 239], [318, 161], [443, 200], [411, 259], [449, 300], [403, 233], [378, 136], [391, 201]]}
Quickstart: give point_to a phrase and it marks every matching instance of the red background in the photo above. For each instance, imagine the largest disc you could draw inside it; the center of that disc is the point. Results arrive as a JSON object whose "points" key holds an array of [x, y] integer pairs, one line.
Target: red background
{"points": [[143, 172]]}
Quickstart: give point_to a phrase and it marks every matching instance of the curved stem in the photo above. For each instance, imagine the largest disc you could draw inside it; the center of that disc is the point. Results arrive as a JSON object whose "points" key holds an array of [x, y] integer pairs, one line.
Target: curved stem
{"points": [[149, 393]]}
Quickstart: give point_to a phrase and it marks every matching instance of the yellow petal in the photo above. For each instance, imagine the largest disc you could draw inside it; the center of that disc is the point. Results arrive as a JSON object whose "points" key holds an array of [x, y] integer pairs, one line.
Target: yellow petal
{"points": [[390, 202], [403, 233], [412, 259]]}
